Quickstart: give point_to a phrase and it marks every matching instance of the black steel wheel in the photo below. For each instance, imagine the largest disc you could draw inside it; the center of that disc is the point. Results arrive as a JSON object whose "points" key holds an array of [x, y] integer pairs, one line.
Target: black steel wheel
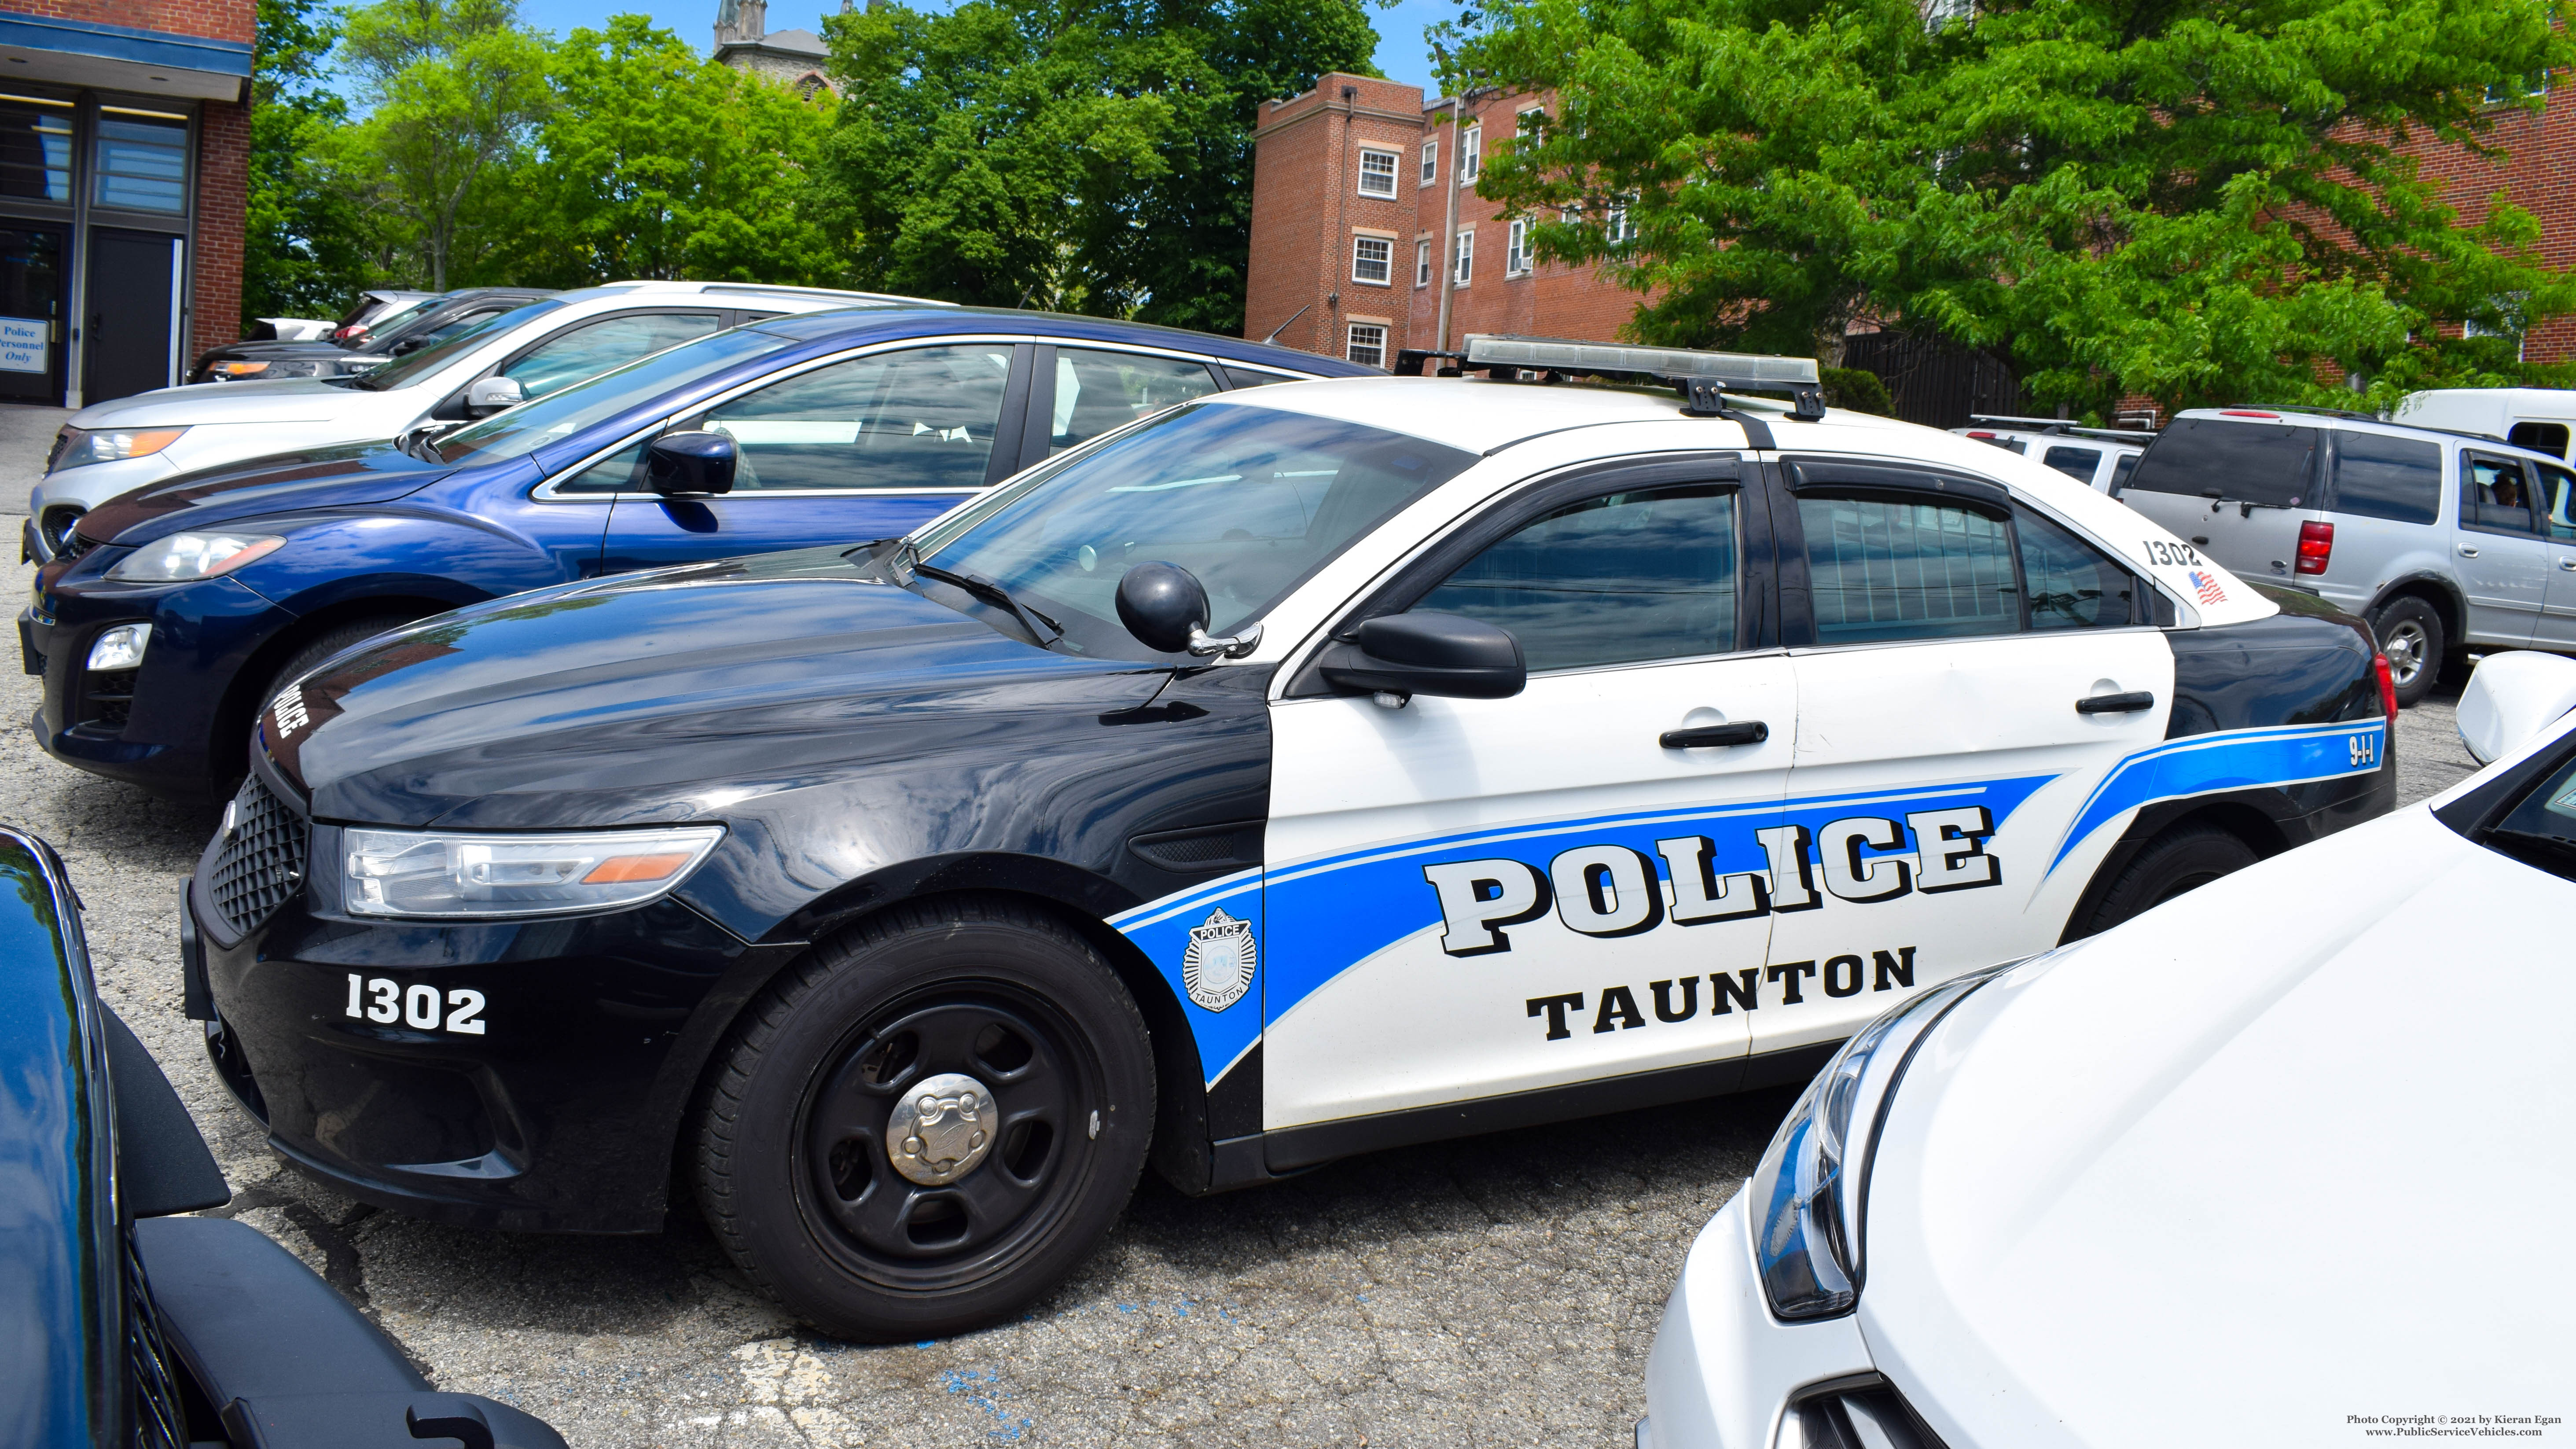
{"points": [[929, 1122]]}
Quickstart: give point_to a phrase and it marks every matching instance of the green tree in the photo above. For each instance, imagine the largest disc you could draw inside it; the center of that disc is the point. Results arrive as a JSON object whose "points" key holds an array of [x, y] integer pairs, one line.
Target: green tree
{"points": [[1081, 155], [2193, 200], [453, 89], [305, 251], [654, 163]]}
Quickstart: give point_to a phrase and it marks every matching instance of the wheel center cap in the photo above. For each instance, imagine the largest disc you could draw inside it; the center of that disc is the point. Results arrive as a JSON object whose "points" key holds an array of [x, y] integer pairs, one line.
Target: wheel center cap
{"points": [[941, 1130]]}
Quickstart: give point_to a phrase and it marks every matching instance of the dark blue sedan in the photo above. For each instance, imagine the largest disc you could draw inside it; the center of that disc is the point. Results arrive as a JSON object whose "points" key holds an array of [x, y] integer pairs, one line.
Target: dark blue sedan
{"points": [[177, 611]]}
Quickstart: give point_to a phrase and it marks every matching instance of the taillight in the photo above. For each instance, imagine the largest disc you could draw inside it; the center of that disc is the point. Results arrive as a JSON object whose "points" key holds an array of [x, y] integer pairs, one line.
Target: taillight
{"points": [[2316, 546], [2387, 688]]}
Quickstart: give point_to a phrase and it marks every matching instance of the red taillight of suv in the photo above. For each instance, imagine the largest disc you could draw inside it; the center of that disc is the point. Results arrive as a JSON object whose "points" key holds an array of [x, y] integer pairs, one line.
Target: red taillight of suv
{"points": [[2316, 546], [2387, 688]]}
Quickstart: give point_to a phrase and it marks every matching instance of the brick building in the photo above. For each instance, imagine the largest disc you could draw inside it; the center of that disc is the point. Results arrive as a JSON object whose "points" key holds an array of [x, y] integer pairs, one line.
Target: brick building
{"points": [[124, 171], [1366, 227]]}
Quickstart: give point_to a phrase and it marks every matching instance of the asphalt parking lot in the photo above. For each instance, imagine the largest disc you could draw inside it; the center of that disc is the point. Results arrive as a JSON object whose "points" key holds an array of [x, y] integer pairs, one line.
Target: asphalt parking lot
{"points": [[1501, 1290]]}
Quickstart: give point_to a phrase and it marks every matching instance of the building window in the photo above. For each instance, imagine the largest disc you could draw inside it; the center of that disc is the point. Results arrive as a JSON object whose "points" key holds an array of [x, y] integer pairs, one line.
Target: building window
{"points": [[1372, 260], [1525, 124], [1617, 226], [1516, 258], [1471, 144], [2534, 84], [1422, 264], [1377, 173], [1430, 162], [1466, 267], [36, 149], [142, 160], [1367, 345]]}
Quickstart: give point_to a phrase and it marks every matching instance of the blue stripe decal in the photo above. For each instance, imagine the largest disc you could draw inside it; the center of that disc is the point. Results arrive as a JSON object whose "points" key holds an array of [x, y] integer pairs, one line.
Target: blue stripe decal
{"points": [[1337, 911], [2234, 760]]}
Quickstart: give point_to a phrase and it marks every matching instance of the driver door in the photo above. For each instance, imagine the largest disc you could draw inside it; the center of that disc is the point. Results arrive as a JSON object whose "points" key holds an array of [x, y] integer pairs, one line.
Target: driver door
{"points": [[1469, 898]]}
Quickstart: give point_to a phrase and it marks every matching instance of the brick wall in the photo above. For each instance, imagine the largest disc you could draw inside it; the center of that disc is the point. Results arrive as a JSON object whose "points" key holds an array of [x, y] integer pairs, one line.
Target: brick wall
{"points": [[2538, 174], [223, 198], [205, 19]]}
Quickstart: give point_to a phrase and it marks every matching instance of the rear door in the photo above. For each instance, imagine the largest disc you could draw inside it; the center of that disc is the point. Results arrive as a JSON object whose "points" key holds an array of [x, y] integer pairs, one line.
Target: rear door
{"points": [[1942, 792], [2236, 486], [1473, 897], [2557, 501], [859, 448], [2504, 564]]}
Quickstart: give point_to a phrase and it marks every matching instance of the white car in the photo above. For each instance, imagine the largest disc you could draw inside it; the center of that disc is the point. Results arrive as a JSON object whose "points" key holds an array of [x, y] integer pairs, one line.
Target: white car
{"points": [[115, 447], [2282, 1162], [2099, 458]]}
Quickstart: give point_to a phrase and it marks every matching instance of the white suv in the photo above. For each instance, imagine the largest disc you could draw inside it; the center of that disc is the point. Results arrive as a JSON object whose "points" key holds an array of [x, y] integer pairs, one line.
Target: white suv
{"points": [[2099, 458], [2443, 541], [115, 447]]}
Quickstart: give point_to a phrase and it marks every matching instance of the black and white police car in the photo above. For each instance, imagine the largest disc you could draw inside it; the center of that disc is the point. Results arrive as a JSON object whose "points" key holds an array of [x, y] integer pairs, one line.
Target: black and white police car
{"points": [[1310, 770]]}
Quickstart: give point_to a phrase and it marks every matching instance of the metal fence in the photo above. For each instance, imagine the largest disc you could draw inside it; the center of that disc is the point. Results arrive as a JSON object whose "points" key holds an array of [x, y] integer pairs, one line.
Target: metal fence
{"points": [[1933, 382]]}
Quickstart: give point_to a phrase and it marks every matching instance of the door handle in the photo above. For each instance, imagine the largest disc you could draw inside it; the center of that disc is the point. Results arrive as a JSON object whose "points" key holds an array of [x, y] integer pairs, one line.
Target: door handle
{"points": [[2135, 699], [2467, 552], [2568, 564], [1708, 737]]}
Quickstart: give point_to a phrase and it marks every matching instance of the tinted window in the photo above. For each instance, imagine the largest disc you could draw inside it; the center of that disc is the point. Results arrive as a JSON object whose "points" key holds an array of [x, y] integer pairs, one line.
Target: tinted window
{"points": [[403, 372], [2495, 494], [1611, 580], [586, 352], [2541, 830], [2120, 472], [921, 418], [1249, 499], [2076, 463], [2249, 462], [2550, 438], [1096, 392], [2071, 585], [2558, 510], [1880, 569], [1243, 377], [530, 426], [2377, 476]]}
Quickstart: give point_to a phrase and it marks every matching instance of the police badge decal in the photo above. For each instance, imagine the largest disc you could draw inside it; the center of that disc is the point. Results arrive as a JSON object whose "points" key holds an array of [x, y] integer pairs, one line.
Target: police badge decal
{"points": [[1216, 969]]}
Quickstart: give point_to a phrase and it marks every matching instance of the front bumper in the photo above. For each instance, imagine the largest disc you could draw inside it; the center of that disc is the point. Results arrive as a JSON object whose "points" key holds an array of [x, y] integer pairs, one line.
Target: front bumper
{"points": [[535, 1074], [1724, 1373], [157, 725], [92, 484]]}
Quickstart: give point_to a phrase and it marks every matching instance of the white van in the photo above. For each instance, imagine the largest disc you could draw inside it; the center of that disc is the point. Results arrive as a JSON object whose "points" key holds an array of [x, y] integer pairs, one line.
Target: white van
{"points": [[2542, 419]]}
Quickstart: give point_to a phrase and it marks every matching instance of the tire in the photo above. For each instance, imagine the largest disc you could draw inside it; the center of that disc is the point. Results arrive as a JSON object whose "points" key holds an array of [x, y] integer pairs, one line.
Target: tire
{"points": [[795, 1166], [2182, 859], [308, 654], [2410, 634]]}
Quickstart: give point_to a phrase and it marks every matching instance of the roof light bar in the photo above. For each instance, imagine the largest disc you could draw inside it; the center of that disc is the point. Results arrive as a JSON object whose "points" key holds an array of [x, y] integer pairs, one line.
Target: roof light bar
{"points": [[1701, 376]]}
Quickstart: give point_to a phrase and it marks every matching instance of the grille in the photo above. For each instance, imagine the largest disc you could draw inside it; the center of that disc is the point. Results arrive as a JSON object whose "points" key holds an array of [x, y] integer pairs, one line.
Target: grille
{"points": [[160, 1409], [1862, 1415], [58, 524], [106, 698], [263, 857]]}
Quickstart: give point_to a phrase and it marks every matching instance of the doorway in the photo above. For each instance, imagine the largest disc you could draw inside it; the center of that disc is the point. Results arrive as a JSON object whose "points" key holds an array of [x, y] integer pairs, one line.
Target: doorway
{"points": [[31, 293], [133, 306]]}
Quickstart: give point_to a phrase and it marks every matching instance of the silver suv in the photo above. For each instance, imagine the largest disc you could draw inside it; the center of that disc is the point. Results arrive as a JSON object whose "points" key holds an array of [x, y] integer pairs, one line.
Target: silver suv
{"points": [[2443, 541]]}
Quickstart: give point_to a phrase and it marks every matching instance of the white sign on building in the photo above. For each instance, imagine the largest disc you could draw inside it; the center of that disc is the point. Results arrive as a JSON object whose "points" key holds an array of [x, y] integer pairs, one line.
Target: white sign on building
{"points": [[22, 344]]}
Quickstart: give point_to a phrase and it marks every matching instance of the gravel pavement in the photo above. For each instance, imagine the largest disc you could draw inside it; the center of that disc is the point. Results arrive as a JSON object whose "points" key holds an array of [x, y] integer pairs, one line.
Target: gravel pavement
{"points": [[1500, 1290]]}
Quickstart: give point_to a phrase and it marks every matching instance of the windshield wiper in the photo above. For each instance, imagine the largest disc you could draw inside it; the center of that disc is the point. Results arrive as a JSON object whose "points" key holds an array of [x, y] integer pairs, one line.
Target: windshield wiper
{"points": [[992, 592], [2552, 853]]}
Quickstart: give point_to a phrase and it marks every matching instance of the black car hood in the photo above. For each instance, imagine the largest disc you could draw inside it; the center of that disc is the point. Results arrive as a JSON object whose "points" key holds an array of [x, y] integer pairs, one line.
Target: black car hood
{"points": [[664, 696], [351, 475]]}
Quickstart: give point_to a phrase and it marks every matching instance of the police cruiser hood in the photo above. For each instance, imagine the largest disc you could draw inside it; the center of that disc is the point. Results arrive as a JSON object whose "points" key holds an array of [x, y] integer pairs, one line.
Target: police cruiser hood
{"points": [[665, 696], [2155, 1183], [348, 476]]}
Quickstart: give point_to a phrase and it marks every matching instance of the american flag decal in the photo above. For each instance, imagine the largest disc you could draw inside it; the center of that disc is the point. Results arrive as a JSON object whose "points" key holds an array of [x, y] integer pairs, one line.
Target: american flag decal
{"points": [[2207, 584]]}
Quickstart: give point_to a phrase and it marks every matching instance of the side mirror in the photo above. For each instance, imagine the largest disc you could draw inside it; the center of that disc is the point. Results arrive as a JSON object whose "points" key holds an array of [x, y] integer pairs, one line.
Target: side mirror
{"points": [[408, 346], [1428, 653], [2512, 697], [488, 395], [676, 464]]}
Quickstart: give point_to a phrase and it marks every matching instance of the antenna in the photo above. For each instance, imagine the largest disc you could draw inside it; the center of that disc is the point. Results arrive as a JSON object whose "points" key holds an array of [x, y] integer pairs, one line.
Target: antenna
{"points": [[1284, 326]]}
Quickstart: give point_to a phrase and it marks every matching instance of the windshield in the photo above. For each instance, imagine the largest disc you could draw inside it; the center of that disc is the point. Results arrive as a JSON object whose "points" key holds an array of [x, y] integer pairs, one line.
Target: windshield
{"points": [[532, 425], [1250, 499], [403, 372]]}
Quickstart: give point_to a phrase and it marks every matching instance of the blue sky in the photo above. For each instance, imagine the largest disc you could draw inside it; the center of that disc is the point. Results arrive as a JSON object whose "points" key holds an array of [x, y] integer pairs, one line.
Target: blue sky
{"points": [[1400, 52]]}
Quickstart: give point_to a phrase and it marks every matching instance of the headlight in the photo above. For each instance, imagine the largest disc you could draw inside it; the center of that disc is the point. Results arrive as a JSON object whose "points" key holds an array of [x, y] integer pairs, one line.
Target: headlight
{"points": [[431, 873], [121, 647], [230, 370], [193, 556], [76, 447], [1807, 1195]]}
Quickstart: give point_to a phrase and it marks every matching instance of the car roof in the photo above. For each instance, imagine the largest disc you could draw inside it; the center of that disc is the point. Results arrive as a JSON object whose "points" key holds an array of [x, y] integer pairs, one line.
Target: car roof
{"points": [[2293, 417], [843, 325]]}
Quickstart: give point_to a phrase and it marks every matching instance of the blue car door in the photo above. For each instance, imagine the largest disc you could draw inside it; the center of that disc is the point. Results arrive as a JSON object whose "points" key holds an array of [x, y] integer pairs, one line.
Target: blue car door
{"points": [[852, 449]]}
